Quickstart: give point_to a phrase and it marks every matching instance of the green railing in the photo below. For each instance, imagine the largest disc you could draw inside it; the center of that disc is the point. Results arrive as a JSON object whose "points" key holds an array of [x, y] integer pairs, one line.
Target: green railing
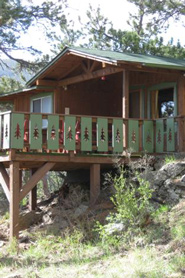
{"points": [[63, 133]]}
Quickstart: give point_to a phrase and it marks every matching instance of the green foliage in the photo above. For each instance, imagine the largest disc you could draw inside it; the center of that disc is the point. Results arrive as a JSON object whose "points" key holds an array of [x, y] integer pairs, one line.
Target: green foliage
{"points": [[17, 17], [8, 84], [178, 231], [132, 204], [169, 159], [131, 201]]}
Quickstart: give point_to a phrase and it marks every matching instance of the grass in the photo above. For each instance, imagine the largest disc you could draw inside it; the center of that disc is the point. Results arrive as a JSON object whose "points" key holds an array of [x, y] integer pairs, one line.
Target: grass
{"points": [[71, 255]]}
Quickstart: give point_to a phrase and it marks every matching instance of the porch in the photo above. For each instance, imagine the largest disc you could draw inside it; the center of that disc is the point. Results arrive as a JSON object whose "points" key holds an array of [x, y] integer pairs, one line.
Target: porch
{"points": [[44, 142]]}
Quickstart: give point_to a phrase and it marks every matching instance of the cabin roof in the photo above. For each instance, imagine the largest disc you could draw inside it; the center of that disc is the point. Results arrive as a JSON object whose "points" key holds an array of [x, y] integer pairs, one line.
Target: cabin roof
{"points": [[114, 58]]}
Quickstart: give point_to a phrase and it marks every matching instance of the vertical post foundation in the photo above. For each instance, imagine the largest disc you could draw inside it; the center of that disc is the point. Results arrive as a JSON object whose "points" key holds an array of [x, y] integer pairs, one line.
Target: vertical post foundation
{"points": [[14, 199], [33, 195], [94, 183]]}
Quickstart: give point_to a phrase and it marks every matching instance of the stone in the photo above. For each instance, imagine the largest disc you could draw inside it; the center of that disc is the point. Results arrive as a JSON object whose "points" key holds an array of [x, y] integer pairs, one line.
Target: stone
{"points": [[183, 179], [80, 210], [113, 228], [28, 219]]}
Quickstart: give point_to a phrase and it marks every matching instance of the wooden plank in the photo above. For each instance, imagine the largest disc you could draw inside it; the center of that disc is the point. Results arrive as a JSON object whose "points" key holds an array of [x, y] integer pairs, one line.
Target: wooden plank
{"points": [[133, 135], [94, 182], [6, 132], [102, 135], [89, 75], [33, 194], [170, 135], [49, 83], [17, 131], [86, 134], [148, 136], [4, 181], [1, 130], [14, 199], [69, 133], [53, 132], [159, 136], [117, 135], [125, 95], [35, 131], [37, 176]]}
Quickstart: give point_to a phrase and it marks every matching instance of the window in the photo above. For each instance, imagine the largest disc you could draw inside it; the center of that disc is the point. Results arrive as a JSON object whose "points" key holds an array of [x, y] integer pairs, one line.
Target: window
{"points": [[42, 105], [162, 101], [166, 103]]}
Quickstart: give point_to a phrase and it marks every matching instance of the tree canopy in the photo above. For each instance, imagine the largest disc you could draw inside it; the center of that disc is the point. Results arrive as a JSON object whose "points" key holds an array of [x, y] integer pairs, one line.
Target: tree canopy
{"points": [[17, 17]]}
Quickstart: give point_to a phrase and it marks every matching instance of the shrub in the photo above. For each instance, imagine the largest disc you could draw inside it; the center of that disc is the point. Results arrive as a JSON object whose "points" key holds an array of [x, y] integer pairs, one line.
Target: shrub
{"points": [[132, 203]]}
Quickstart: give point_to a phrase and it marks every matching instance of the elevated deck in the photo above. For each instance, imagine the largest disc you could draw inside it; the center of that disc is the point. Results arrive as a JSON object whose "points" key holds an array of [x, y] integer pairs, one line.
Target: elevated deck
{"points": [[44, 142]]}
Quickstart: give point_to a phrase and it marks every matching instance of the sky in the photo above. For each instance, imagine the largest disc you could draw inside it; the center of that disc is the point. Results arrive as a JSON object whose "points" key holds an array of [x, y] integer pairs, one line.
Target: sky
{"points": [[117, 11]]}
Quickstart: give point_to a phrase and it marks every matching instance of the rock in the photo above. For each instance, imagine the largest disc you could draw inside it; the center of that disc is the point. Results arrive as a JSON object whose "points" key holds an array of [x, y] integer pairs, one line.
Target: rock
{"points": [[183, 179], [80, 210], [114, 228], [28, 219]]}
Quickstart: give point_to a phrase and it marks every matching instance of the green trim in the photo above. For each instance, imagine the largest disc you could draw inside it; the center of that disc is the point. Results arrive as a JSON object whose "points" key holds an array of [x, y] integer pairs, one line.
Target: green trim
{"points": [[160, 87]]}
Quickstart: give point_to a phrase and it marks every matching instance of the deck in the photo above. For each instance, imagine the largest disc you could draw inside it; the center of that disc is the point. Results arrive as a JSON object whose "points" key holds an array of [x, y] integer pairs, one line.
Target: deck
{"points": [[44, 142]]}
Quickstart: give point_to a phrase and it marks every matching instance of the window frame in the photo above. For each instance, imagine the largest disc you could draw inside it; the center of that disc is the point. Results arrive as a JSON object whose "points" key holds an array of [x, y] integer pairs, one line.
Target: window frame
{"points": [[40, 97], [159, 87]]}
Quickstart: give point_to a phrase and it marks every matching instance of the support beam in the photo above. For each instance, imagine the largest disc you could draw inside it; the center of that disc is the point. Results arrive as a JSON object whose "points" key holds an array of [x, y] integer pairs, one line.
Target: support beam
{"points": [[50, 83], [37, 176], [4, 181], [14, 199], [94, 182], [125, 95], [33, 194], [89, 75]]}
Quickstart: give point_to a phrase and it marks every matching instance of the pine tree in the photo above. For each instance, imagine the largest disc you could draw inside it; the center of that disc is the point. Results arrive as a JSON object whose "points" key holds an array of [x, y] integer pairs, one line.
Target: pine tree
{"points": [[118, 136], [148, 138], [17, 132], [70, 134], [170, 135], [133, 138], [102, 137], [86, 134], [159, 136]]}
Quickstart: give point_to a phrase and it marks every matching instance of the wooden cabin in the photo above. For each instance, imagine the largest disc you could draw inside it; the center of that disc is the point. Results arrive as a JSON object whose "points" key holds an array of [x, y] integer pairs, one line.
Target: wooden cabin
{"points": [[83, 109]]}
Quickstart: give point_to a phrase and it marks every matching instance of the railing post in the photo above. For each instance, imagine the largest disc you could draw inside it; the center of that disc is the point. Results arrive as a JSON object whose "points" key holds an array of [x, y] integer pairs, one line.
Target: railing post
{"points": [[180, 134]]}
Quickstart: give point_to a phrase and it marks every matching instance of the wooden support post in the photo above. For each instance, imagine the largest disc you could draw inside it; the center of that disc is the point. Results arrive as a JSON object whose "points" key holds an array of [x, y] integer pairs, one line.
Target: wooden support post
{"points": [[94, 182], [14, 199], [125, 106], [125, 95], [33, 194]]}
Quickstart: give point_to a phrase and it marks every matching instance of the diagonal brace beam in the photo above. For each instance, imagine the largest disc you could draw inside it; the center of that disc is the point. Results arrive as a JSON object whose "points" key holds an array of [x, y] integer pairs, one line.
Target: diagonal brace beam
{"points": [[5, 181], [37, 176]]}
